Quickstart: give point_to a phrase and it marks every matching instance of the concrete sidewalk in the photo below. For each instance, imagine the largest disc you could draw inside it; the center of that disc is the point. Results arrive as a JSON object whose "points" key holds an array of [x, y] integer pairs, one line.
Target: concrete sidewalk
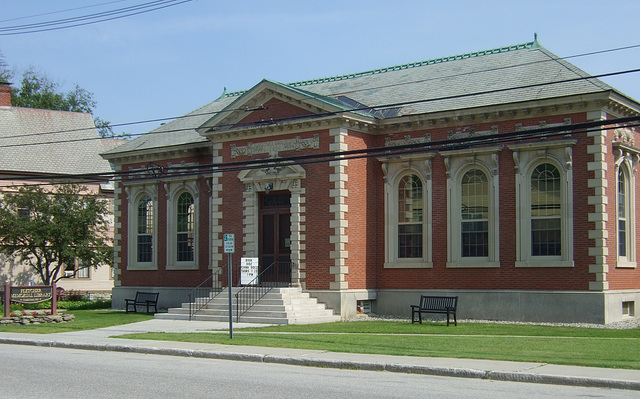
{"points": [[100, 339]]}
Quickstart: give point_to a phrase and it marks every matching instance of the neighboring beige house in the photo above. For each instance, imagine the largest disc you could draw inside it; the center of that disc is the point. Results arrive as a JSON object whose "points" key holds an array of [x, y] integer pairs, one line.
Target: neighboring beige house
{"points": [[50, 143]]}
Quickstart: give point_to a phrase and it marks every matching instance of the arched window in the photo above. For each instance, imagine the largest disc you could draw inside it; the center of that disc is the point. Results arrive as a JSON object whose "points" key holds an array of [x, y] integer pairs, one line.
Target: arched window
{"points": [[410, 217], [182, 225], [622, 213], [145, 229], [475, 214], [408, 204], [473, 228], [546, 211], [626, 248], [544, 199], [625, 209], [185, 227]]}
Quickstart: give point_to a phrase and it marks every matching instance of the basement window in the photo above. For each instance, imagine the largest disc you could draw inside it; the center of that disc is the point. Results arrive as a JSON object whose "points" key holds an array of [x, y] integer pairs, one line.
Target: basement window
{"points": [[628, 308], [364, 307]]}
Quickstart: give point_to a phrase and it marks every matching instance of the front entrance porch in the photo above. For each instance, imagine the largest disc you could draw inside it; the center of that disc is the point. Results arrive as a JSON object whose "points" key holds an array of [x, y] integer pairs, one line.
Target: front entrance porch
{"points": [[279, 306]]}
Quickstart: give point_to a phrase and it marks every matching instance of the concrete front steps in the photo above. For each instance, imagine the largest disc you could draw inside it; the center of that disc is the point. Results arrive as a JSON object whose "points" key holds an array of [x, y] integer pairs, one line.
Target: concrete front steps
{"points": [[279, 306]]}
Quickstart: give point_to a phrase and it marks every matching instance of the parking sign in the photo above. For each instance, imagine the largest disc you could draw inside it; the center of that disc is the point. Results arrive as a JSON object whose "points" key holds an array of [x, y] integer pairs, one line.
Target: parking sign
{"points": [[229, 244]]}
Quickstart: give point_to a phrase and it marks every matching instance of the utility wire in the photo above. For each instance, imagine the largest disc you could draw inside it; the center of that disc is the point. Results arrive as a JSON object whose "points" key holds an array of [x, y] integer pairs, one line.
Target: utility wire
{"points": [[91, 18], [61, 11], [153, 172], [336, 94], [85, 17], [327, 114]]}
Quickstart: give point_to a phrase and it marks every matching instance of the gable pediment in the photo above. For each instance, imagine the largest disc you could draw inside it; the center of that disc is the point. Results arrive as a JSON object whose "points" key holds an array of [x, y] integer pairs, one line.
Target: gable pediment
{"points": [[270, 103]]}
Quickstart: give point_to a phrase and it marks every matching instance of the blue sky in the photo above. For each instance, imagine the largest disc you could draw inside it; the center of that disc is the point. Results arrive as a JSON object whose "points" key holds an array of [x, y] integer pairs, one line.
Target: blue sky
{"points": [[168, 62]]}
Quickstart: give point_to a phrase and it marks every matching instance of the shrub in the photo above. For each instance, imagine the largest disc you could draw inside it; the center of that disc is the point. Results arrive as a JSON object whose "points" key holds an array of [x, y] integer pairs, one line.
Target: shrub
{"points": [[74, 295], [86, 304], [68, 305]]}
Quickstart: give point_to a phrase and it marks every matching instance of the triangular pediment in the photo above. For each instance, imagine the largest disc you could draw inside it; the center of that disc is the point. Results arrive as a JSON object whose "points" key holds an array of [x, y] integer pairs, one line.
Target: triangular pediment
{"points": [[269, 103]]}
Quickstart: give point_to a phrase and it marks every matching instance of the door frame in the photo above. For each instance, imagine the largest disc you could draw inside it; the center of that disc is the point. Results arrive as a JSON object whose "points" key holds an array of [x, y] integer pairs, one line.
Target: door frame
{"points": [[281, 239]]}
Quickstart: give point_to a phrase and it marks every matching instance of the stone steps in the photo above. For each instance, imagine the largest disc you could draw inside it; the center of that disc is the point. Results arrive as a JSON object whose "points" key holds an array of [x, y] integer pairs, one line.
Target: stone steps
{"points": [[279, 306]]}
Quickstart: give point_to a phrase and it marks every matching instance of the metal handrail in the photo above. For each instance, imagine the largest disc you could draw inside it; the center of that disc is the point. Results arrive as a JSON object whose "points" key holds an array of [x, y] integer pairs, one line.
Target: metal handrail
{"points": [[251, 293], [204, 293]]}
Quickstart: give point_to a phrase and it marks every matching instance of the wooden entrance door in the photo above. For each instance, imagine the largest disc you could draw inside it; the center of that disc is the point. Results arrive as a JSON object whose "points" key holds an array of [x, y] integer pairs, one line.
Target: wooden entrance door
{"points": [[275, 237]]}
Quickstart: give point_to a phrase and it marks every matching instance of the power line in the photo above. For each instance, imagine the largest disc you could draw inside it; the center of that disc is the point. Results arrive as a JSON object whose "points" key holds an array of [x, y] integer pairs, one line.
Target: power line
{"points": [[334, 94], [326, 114], [90, 18], [61, 11], [154, 172], [555, 58]]}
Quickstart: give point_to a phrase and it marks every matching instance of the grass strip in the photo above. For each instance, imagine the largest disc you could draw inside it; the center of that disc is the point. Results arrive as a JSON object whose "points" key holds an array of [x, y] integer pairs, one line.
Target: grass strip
{"points": [[84, 320], [400, 327], [591, 352]]}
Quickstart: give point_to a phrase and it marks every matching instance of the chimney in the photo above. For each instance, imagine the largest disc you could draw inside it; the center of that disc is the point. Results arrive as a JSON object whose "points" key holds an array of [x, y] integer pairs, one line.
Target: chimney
{"points": [[5, 94]]}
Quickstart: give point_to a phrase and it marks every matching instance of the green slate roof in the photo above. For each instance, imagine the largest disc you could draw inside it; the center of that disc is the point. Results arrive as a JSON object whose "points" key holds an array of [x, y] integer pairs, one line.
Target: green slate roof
{"points": [[507, 74]]}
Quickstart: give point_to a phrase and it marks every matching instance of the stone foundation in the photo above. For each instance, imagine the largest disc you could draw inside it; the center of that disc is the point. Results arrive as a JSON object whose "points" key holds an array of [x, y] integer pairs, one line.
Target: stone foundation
{"points": [[39, 319]]}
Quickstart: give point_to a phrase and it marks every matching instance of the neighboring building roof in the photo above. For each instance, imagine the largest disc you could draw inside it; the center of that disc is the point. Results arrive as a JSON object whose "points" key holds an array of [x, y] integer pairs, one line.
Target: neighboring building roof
{"points": [[527, 72], [50, 142]]}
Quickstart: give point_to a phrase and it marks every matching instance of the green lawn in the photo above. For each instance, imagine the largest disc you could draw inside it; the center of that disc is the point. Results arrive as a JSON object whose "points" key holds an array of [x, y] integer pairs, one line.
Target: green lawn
{"points": [[593, 347], [527, 343], [84, 320]]}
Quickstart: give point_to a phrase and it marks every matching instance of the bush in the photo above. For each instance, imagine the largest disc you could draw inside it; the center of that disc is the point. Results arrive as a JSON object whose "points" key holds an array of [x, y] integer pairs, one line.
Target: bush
{"points": [[74, 296], [86, 304], [68, 305]]}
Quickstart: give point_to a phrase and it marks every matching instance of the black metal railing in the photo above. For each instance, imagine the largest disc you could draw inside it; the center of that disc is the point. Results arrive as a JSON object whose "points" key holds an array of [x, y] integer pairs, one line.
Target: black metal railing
{"points": [[200, 296], [278, 274]]}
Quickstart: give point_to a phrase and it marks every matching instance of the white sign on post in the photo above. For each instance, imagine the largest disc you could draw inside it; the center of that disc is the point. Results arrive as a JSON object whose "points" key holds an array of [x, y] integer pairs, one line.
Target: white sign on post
{"points": [[230, 248], [248, 270], [229, 244]]}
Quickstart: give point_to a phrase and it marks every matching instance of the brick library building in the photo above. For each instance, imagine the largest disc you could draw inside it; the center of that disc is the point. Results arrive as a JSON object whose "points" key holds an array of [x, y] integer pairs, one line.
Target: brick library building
{"points": [[505, 177]]}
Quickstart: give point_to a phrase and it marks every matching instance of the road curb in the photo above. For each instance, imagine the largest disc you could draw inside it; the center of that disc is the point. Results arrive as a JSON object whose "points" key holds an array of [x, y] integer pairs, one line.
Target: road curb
{"points": [[340, 364]]}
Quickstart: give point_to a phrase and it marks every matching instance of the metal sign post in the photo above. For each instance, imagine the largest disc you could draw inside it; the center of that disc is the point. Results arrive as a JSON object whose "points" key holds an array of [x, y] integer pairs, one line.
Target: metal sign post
{"points": [[230, 248]]}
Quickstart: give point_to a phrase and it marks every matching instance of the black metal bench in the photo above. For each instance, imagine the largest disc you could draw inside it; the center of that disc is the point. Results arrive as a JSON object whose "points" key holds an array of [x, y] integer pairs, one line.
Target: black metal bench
{"points": [[148, 299], [435, 304]]}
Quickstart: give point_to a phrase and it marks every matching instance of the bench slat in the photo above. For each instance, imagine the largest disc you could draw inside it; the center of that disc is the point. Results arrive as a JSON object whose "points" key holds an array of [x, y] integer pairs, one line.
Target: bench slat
{"points": [[148, 299], [435, 304]]}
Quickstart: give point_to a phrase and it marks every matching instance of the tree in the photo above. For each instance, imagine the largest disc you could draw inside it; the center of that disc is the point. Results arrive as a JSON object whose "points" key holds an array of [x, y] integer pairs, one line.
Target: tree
{"points": [[38, 91], [5, 73], [50, 230]]}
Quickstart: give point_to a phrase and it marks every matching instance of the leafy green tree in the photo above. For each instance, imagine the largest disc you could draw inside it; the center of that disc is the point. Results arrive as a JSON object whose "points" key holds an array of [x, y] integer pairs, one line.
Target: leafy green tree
{"points": [[50, 230], [38, 91]]}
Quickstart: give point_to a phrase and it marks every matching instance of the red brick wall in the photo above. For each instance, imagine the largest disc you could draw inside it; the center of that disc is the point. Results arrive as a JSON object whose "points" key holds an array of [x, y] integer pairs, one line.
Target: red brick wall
{"points": [[274, 109], [366, 220], [364, 202], [163, 277], [507, 276], [317, 214], [318, 231], [619, 278]]}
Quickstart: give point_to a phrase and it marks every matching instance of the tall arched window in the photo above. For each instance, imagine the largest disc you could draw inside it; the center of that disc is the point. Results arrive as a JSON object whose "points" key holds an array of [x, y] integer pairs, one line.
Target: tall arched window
{"points": [[475, 214], [408, 223], [410, 217], [145, 229], [623, 212], [546, 211], [626, 208], [544, 199], [185, 227], [473, 203]]}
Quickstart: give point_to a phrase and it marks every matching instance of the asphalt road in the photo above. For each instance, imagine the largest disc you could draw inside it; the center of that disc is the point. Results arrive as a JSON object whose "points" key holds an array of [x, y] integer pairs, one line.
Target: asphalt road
{"points": [[43, 372]]}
